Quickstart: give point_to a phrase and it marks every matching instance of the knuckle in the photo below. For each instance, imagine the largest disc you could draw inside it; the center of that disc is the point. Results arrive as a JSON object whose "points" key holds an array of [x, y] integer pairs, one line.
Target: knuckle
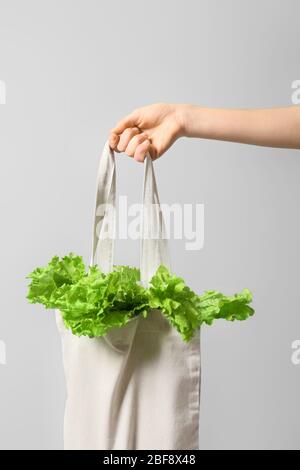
{"points": [[139, 138], [127, 133], [129, 152], [145, 143]]}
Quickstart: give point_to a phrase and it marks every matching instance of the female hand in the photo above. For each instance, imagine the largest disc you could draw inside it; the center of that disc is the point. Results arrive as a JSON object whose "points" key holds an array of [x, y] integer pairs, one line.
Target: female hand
{"points": [[152, 129]]}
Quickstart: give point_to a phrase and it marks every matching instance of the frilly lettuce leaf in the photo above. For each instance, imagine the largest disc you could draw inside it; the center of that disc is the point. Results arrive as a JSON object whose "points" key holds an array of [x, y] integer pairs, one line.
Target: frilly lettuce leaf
{"points": [[91, 302], [187, 311], [177, 302], [214, 305], [57, 273]]}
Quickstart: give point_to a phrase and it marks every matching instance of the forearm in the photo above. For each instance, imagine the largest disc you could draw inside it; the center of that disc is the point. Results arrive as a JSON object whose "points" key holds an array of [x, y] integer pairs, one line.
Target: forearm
{"points": [[277, 127]]}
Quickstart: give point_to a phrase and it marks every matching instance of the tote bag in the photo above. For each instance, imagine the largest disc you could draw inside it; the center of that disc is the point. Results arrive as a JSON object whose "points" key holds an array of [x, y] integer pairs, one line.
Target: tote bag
{"points": [[139, 386]]}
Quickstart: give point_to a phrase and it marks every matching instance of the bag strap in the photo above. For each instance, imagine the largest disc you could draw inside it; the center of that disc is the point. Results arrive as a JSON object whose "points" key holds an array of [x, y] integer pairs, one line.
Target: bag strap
{"points": [[105, 212], [154, 247]]}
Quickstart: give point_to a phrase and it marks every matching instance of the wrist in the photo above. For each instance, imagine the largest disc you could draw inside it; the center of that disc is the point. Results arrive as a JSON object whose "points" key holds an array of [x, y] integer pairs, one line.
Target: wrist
{"points": [[189, 122]]}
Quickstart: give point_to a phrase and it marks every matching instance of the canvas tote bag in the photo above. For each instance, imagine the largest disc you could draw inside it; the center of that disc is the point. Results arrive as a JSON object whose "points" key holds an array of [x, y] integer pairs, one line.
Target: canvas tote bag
{"points": [[139, 386]]}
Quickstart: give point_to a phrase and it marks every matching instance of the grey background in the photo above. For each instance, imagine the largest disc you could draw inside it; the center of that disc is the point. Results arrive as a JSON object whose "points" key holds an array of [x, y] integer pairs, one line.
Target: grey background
{"points": [[72, 68]]}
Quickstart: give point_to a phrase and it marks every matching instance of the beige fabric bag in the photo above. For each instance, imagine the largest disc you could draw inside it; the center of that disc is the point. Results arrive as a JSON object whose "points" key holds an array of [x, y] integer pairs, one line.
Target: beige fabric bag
{"points": [[139, 387]]}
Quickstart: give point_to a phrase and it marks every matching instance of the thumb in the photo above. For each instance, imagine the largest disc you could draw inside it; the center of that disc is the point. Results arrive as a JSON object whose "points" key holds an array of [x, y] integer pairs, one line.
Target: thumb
{"points": [[128, 121]]}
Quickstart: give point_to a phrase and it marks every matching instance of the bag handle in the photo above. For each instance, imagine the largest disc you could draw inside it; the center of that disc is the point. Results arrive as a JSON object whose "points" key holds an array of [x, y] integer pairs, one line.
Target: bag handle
{"points": [[154, 247]]}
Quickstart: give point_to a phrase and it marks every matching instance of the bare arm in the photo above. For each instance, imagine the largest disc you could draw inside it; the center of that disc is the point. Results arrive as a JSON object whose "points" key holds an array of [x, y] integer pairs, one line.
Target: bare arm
{"points": [[156, 127], [274, 127]]}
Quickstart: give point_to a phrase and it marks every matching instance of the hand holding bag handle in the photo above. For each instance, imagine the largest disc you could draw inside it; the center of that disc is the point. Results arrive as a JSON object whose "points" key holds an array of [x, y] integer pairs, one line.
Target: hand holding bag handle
{"points": [[154, 250]]}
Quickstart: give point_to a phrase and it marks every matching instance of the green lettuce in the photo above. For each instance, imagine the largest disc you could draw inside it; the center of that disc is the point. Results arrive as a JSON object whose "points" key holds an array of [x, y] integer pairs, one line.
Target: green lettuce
{"points": [[187, 311], [48, 280], [176, 301], [91, 302]]}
